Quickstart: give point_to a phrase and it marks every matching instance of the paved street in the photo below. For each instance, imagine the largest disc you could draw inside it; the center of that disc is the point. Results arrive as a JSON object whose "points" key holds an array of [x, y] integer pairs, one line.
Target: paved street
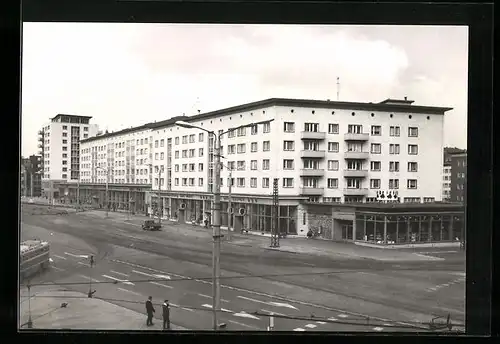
{"points": [[306, 292]]}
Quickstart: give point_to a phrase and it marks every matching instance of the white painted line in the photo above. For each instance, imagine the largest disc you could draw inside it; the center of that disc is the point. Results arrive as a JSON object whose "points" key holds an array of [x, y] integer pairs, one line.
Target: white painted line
{"points": [[342, 316], [206, 305], [205, 296], [162, 285], [433, 289], [129, 291], [243, 314], [333, 319], [119, 280], [280, 304], [55, 255], [378, 329], [187, 309], [51, 260], [253, 300], [298, 329], [320, 322], [142, 273], [244, 325], [76, 255], [119, 273], [87, 278], [446, 285], [308, 264], [276, 313], [162, 276], [56, 268], [85, 264], [438, 252], [177, 306], [311, 326]]}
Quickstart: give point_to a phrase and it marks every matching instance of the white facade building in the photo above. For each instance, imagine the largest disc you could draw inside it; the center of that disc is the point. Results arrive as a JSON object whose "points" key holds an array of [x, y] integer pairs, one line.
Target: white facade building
{"points": [[321, 151], [446, 182], [60, 146]]}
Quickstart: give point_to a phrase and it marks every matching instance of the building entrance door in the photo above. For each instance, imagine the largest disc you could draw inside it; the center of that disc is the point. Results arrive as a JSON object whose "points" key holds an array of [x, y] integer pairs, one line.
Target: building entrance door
{"points": [[346, 232]]}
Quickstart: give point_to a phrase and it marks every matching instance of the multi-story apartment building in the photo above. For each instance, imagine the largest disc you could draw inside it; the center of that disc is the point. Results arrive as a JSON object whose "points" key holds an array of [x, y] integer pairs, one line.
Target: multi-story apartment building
{"points": [[446, 182], [458, 186], [321, 151], [60, 148], [31, 176]]}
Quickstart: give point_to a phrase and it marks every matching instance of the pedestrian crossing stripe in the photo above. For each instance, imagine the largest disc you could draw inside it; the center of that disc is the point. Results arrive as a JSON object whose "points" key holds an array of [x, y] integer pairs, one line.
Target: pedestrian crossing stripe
{"points": [[321, 322], [298, 329], [311, 325], [378, 329], [342, 316]]}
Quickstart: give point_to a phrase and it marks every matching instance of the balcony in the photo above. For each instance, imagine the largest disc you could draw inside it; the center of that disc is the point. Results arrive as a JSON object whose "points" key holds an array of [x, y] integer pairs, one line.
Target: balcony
{"points": [[356, 155], [356, 137], [312, 135], [356, 173], [311, 191], [355, 191], [312, 172], [40, 138], [312, 154]]}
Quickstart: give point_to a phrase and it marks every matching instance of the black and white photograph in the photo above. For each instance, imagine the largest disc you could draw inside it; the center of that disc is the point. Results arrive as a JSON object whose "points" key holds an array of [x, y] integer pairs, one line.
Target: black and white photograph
{"points": [[243, 177]]}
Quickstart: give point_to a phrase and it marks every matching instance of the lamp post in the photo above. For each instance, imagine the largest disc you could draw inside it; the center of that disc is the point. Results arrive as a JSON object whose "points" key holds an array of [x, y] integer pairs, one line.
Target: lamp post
{"points": [[106, 195], [216, 212], [160, 203], [77, 189]]}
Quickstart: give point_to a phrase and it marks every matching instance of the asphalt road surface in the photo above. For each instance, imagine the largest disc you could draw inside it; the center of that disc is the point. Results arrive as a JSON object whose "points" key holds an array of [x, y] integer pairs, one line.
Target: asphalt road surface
{"points": [[304, 292]]}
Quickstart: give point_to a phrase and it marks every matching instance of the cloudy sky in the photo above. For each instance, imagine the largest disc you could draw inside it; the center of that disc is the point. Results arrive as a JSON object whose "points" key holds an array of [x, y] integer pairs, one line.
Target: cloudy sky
{"points": [[129, 74]]}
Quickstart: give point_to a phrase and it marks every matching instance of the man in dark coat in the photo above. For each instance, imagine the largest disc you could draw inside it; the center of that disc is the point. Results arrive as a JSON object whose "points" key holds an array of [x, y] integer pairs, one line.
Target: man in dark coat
{"points": [[150, 310], [166, 315]]}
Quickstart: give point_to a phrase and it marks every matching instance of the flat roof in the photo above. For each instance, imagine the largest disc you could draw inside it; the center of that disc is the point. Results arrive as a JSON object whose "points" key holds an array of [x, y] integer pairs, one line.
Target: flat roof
{"points": [[72, 116], [386, 105], [395, 206]]}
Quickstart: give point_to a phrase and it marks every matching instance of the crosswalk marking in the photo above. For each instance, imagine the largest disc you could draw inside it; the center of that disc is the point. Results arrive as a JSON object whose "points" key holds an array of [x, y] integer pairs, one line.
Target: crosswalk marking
{"points": [[378, 329], [275, 313], [142, 273], [84, 264], [244, 325], [87, 278], [118, 280], [332, 319], [342, 316], [119, 273], [298, 329], [311, 325], [162, 285], [60, 257], [129, 291], [321, 322]]}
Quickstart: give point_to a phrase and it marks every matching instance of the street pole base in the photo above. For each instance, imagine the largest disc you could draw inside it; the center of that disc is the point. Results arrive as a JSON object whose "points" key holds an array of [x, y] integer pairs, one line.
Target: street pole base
{"points": [[30, 324]]}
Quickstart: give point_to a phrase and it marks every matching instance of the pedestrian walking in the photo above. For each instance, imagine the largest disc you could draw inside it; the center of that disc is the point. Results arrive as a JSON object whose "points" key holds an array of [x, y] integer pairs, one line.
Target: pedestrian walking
{"points": [[150, 310], [166, 315], [309, 234]]}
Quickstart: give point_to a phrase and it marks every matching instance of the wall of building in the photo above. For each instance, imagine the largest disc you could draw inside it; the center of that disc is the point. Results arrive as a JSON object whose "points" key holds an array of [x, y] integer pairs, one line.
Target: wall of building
{"points": [[458, 177]]}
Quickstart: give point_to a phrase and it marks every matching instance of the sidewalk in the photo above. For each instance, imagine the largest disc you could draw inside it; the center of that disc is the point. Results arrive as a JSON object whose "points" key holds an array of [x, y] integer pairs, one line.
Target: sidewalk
{"points": [[297, 245], [79, 313]]}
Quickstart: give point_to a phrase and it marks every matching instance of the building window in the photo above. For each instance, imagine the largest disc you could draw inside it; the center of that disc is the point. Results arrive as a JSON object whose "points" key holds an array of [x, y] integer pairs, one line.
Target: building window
{"points": [[288, 164], [65, 127], [429, 199], [333, 183], [376, 148], [191, 153], [241, 148], [176, 154], [393, 183], [64, 176], [184, 167], [162, 142], [311, 164], [176, 168], [412, 167], [241, 165], [200, 167], [177, 140], [288, 145], [241, 182], [394, 166], [374, 183], [65, 169], [184, 181], [394, 131], [85, 136], [162, 156], [254, 129], [200, 152], [311, 127], [354, 129], [375, 165], [253, 164], [231, 165], [289, 127], [265, 182], [354, 165], [184, 153], [333, 165], [394, 149], [231, 149], [192, 138], [253, 147], [65, 155], [65, 134], [253, 182], [266, 146], [267, 127], [412, 149], [376, 130], [156, 143], [191, 168], [288, 182], [333, 128], [230, 182], [265, 164], [413, 132], [411, 184], [184, 139], [333, 147], [242, 131], [412, 199]]}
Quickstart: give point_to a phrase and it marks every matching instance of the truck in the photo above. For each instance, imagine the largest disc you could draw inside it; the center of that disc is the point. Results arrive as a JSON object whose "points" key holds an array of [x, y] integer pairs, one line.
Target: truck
{"points": [[34, 256]]}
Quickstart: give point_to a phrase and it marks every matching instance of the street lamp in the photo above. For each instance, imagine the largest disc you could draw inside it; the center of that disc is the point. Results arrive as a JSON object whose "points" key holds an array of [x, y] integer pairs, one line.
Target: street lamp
{"points": [[107, 177], [77, 189], [160, 203], [216, 211]]}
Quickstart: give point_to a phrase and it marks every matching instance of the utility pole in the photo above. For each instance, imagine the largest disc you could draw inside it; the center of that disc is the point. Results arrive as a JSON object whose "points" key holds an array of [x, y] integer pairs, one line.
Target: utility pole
{"points": [[90, 277], [275, 239], [216, 234], [30, 322], [229, 206]]}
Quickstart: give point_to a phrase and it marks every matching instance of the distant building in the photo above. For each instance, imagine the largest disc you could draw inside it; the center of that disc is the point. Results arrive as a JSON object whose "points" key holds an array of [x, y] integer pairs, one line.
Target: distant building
{"points": [[458, 185], [31, 176], [448, 152]]}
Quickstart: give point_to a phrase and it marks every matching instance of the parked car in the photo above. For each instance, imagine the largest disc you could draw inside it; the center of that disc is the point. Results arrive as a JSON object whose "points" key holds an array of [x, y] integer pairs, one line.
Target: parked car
{"points": [[151, 225]]}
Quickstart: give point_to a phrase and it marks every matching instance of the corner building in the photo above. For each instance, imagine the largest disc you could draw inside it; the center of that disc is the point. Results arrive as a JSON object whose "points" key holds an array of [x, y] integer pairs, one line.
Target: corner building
{"points": [[321, 151]]}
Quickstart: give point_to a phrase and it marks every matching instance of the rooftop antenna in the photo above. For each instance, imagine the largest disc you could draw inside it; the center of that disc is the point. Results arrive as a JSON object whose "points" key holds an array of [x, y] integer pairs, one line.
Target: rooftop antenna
{"points": [[338, 88]]}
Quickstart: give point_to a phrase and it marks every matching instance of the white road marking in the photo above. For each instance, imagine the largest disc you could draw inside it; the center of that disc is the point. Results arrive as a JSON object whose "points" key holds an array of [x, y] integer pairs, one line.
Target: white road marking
{"points": [[119, 280], [76, 255], [308, 264], [378, 329], [51, 260], [253, 300], [331, 309], [55, 267], [243, 314], [342, 316], [85, 264], [386, 324], [186, 309], [276, 313], [210, 297], [142, 273], [332, 319], [446, 285], [320, 322], [311, 326], [438, 252], [279, 304], [433, 289], [162, 276], [129, 291], [119, 273], [244, 325], [162, 285], [298, 329], [222, 309], [87, 278], [55, 255]]}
